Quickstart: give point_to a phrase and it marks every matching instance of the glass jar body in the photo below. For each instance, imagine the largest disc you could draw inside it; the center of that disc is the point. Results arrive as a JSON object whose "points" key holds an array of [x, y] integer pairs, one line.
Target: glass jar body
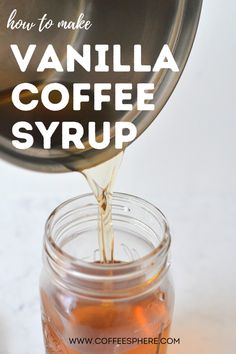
{"points": [[90, 308]]}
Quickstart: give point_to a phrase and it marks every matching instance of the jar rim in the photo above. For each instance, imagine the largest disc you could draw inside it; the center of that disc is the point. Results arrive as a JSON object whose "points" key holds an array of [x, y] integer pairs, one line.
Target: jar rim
{"points": [[56, 253]]}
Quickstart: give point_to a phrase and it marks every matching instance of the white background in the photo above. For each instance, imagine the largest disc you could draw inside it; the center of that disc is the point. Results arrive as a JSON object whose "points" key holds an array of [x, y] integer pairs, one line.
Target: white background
{"points": [[190, 150]]}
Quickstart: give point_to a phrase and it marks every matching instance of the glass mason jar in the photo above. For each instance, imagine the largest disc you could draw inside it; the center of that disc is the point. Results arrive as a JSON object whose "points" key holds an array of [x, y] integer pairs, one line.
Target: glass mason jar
{"points": [[93, 308]]}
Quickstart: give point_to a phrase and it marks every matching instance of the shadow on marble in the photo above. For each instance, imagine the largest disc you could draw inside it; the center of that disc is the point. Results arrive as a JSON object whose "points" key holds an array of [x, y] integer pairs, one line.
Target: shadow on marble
{"points": [[198, 335], [3, 338]]}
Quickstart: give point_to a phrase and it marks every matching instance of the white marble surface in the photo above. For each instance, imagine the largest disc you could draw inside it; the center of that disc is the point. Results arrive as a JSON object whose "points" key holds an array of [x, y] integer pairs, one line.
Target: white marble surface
{"points": [[191, 149]]}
